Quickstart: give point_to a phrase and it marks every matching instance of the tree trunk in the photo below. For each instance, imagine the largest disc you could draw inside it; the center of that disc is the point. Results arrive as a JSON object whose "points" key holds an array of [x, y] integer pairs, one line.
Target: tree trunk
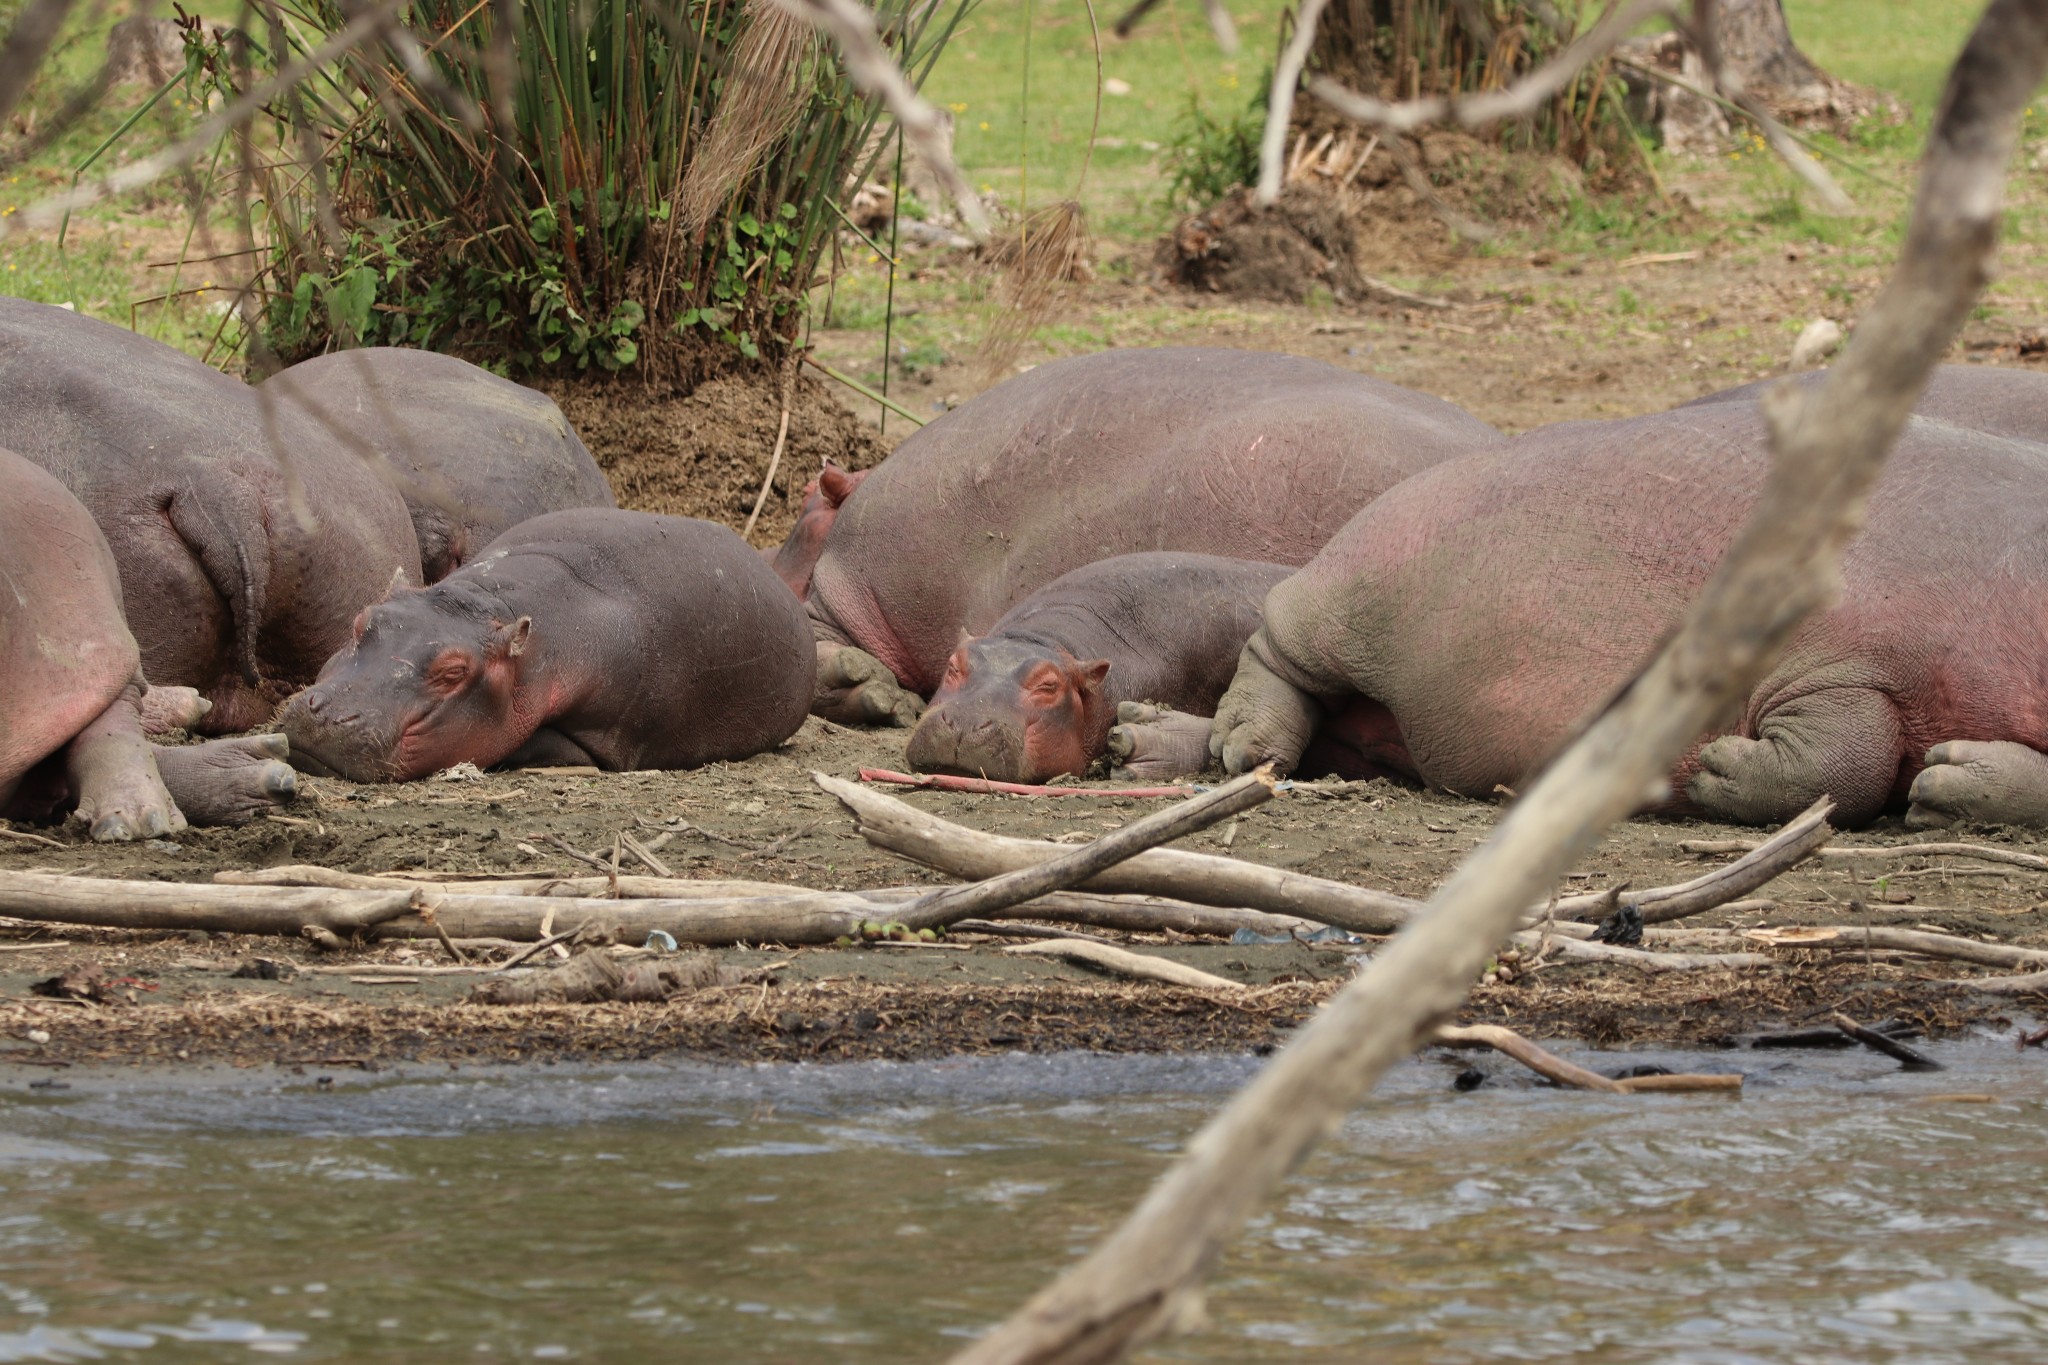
{"points": [[1757, 48]]}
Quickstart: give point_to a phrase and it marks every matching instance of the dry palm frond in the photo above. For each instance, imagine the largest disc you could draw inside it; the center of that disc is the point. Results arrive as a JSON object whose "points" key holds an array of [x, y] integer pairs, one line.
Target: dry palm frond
{"points": [[1051, 249], [765, 96]]}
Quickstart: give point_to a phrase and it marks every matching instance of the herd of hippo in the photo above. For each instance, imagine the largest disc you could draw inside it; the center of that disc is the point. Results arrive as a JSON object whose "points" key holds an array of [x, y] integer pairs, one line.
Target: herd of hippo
{"points": [[388, 562]]}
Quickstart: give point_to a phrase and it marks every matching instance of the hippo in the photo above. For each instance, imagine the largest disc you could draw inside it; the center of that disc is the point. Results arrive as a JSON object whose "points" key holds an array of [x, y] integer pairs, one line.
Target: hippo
{"points": [[823, 497], [623, 640], [1240, 454], [2010, 403], [1475, 614], [72, 695], [246, 534], [473, 455], [1037, 696]]}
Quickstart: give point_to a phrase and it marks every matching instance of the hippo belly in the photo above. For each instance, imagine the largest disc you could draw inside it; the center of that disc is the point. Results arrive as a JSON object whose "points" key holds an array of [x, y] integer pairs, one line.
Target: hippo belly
{"points": [[627, 640], [1238, 454], [473, 455], [1494, 601], [246, 534]]}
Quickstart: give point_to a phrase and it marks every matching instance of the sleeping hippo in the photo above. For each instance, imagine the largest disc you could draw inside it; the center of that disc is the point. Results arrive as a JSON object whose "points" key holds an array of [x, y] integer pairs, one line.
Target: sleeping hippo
{"points": [[625, 640], [247, 535], [1241, 454], [72, 694], [1480, 610], [2010, 403], [1038, 694], [473, 455]]}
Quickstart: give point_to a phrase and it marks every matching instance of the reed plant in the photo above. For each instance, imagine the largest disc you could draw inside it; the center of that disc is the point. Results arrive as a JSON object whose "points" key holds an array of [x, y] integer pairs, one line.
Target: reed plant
{"points": [[567, 183]]}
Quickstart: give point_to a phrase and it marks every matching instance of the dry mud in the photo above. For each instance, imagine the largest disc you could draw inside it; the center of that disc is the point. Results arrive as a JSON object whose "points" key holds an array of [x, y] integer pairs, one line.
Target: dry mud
{"points": [[176, 997]]}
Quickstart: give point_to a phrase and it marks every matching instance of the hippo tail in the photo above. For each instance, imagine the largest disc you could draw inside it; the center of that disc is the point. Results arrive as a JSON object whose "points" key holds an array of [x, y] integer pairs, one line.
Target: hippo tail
{"points": [[217, 530]]}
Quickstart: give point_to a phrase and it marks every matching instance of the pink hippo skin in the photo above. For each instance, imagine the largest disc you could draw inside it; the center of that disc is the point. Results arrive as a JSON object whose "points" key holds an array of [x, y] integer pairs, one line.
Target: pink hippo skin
{"points": [[1038, 695], [1486, 606], [2010, 403], [621, 639], [247, 535], [71, 690], [823, 497], [1240, 454], [473, 455]]}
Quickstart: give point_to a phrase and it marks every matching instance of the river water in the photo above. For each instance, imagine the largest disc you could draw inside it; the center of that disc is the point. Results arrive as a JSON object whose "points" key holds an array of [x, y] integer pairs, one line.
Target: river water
{"points": [[1840, 1210]]}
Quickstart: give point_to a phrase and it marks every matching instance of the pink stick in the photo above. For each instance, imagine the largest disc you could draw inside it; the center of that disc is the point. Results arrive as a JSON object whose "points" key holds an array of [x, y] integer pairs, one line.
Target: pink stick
{"points": [[943, 782]]}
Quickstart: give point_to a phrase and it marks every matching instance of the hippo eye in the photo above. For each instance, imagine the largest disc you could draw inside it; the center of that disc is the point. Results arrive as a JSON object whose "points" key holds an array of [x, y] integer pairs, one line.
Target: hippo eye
{"points": [[449, 672]]}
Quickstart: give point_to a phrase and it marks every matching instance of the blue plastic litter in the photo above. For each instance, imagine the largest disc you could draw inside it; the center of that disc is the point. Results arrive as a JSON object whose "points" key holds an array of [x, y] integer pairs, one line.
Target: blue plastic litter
{"points": [[666, 939]]}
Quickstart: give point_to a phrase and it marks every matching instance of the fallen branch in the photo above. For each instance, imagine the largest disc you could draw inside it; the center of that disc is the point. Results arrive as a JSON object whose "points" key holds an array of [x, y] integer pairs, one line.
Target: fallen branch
{"points": [[1891, 1047], [1848, 852], [1761, 863], [1202, 878], [986, 786], [1583, 950], [25, 837], [1857, 938], [53, 899], [1555, 1068], [1078, 865], [1829, 445], [1126, 963]]}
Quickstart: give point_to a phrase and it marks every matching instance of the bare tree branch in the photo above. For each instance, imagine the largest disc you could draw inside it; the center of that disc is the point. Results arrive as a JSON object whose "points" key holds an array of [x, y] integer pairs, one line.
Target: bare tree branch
{"points": [[851, 26], [1524, 97], [1280, 102], [1221, 26], [1830, 446]]}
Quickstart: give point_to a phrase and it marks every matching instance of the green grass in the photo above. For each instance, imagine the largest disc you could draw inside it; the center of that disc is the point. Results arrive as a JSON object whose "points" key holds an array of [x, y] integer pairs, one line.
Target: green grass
{"points": [[1904, 46]]}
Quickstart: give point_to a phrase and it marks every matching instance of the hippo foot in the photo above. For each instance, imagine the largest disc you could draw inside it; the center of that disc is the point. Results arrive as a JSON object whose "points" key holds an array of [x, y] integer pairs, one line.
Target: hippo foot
{"points": [[1263, 718], [165, 709], [1971, 782], [229, 781], [1840, 742], [856, 688], [1155, 743]]}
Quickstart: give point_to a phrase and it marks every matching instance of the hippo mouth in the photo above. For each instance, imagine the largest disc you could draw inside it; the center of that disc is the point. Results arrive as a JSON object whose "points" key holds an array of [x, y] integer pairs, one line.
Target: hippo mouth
{"points": [[986, 750]]}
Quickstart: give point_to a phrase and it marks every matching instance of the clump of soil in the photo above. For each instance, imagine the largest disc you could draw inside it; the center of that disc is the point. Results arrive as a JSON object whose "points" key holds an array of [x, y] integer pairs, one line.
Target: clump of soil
{"points": [[703, 454], [1350, 209]]}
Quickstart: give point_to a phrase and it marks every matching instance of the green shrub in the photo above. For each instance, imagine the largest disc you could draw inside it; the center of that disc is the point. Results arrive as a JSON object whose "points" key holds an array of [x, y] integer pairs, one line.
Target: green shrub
{"points": [[1208, 157]]}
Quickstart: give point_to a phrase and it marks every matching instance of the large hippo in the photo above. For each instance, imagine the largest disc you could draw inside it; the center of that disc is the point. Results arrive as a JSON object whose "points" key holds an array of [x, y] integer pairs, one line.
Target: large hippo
{"points": [[473, 455], [72, 694], [247, 535], [2012, 403], [1241, 454], [1038, 695], [622, 639], [1487, 605]]}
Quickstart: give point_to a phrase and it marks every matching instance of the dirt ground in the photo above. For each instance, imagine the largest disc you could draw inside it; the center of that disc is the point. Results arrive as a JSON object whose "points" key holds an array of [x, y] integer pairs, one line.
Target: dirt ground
{"points": [[177, 997]]}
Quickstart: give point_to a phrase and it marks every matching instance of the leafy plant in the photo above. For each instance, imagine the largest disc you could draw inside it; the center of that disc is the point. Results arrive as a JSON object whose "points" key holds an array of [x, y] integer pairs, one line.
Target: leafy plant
{"points": [[1209, 157], [599, 184]]}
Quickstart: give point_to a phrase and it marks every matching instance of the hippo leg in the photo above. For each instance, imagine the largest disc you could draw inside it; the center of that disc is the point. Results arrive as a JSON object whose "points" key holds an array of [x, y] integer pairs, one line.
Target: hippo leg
{"points": [[856, 688], [172, 708], [1977, 783], [1155, 743], [550, 748], [1843, 742], [112, 769], [1262, 718], [229, 781]]}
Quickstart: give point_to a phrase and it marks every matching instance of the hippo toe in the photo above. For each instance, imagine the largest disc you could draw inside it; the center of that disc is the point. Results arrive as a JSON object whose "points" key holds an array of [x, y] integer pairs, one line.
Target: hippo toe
{"points": [[1155, 743], [1980, 783], [229, 781], [172, 708], [856, 688]]}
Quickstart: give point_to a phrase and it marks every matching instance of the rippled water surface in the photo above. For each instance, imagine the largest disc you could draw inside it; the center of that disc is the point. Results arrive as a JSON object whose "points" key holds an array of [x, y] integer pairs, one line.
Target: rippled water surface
{"points": [[1840, 1210]]}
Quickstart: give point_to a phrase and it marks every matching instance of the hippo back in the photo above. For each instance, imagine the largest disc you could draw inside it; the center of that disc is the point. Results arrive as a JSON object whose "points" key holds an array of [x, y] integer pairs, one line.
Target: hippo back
{"points": [[246, 534], [1245, 455], [472, 454], [2002, 402]]}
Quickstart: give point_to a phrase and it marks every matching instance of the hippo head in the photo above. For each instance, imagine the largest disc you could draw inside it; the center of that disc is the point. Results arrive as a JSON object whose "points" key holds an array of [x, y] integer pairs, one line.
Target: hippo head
{"points": [[430, 680], [823, 497], [1014, 711]]}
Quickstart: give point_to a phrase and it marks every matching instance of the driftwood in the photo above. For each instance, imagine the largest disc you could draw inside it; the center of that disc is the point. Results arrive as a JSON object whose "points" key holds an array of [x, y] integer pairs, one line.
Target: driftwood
{"points": [[1552, 1067], [1773, 857], [1078, 864], [49, 898], [1123, 962], [1584, 950], [1891, 1047], [985, 786], [1829, 446], [2031, 983], [1851, 852]]}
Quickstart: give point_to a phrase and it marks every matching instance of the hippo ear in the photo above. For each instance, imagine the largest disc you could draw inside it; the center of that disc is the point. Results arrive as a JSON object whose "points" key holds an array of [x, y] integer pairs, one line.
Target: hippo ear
{"points": [[836, 484], [510, 641], [397, 582], [1089, 673]]}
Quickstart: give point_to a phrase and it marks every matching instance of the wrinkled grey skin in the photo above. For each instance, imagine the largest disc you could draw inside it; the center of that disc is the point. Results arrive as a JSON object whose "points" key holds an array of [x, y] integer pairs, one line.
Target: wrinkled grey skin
{"points": [[473, 455], [247, 536], [1029, 700], [72, 696], [2002, 402], [625, 640]]}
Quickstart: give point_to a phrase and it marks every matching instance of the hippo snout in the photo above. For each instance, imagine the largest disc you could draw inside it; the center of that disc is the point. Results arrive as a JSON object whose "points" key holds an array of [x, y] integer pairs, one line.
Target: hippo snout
{"points": [[978, 748], [329, 739]]}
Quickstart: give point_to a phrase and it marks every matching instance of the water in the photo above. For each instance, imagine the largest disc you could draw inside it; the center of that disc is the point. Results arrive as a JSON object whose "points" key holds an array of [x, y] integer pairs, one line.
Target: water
{"points": [[885, 1213]]}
